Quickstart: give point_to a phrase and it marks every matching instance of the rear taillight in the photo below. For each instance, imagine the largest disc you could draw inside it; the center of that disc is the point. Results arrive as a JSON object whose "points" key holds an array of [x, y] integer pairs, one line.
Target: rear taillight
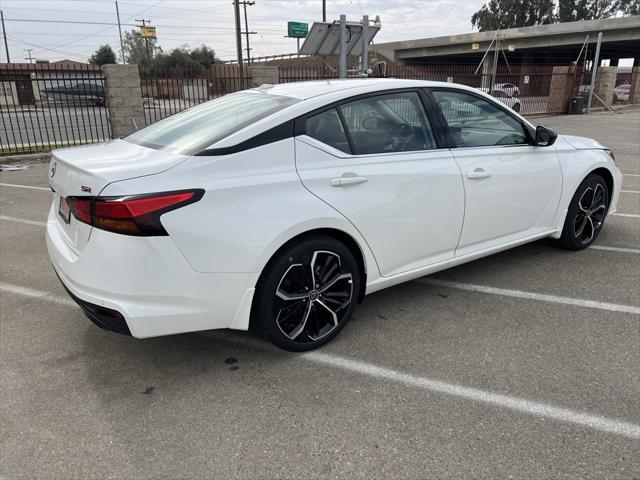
{"points": [[137, 215], [80, 208]]}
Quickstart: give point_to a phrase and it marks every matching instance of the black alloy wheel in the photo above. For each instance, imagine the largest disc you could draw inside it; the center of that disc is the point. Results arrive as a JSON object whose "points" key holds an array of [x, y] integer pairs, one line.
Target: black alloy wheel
{"points": [[307, 294], [586, 213]]}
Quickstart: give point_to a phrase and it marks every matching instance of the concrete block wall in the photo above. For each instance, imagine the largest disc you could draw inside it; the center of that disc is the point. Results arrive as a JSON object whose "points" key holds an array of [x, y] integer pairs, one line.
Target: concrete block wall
{"points": [[605, 84], [635, 86], [124, 99], [261, 75], [560, 89]]}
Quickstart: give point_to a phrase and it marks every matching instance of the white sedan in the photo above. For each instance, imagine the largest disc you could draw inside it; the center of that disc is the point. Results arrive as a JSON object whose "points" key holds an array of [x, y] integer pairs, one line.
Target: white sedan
{"points": [[509, 88], [504, 97], [622, 93], [281, 207]]}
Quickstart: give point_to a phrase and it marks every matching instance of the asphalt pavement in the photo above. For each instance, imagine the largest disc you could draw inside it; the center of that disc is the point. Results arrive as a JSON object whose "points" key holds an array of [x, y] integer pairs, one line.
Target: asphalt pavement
{"points": [[525, 364]]}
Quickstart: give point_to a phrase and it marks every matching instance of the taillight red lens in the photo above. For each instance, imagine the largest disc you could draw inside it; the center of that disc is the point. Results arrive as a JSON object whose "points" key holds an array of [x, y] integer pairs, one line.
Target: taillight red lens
{"points": [[81, 208], [131, 215], [141, 206]]}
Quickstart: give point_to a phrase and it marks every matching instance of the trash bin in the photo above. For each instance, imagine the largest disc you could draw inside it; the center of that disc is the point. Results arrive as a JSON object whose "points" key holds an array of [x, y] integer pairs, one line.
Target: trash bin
{"points": [[578, 104]]}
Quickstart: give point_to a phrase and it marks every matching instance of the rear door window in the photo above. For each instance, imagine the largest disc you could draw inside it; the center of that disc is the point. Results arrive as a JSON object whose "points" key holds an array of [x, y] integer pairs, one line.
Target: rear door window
{"points": [[326, 127]]}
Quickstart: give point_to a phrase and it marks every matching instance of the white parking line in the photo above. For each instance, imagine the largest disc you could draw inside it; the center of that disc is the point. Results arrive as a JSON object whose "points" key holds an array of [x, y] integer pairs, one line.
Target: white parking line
{"points": [[23, 221], [630, 191], [631, 174], [614, 249], [505, 292], [630, 215], [28, 187], [538, 409], [29, 292]]}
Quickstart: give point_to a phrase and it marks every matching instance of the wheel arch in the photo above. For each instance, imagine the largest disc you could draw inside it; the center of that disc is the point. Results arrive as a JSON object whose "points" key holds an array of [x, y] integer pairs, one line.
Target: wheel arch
{"points": [[339, 235], [576, 181], [608, 178]]}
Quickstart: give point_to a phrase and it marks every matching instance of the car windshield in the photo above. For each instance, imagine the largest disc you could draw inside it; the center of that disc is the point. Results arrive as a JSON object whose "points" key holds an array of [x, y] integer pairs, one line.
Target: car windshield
{"points": [[198, 127]]}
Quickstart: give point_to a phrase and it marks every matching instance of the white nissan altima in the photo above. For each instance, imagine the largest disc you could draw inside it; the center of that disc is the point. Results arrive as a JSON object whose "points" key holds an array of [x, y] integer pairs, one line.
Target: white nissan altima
{"points": [[279, 208]]}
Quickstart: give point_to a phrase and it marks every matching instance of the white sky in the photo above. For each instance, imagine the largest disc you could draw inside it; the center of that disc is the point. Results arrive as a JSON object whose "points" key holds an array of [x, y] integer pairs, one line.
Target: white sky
{"points": [[212, 22]]}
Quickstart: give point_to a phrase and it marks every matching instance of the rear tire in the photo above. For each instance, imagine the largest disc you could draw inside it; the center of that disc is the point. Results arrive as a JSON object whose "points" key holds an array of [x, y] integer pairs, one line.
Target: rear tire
{"points": [[306, 294], [586, 214]]}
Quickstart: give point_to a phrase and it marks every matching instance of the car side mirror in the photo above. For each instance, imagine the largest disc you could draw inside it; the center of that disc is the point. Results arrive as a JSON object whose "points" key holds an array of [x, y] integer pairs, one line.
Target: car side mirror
{"points": [[545, 136]]}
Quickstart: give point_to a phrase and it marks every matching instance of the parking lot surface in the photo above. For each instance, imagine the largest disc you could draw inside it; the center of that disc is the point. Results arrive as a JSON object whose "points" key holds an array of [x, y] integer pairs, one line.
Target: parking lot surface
{"points": [[525, 364]]}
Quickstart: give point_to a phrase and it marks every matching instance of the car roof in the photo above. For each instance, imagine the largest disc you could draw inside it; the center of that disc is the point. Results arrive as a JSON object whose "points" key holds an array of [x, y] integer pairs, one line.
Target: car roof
{"points": [[319, 93], [316, 88]]}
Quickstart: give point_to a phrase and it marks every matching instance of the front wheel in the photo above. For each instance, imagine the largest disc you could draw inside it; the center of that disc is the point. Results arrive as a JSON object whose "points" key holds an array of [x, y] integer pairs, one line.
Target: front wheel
{"points": [[516, 108], [307, 294], [586, 213]]}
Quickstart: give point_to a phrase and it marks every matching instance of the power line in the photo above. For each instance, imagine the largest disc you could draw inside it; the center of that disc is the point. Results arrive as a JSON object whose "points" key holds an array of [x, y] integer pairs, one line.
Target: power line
{"points": [[187, 27]]}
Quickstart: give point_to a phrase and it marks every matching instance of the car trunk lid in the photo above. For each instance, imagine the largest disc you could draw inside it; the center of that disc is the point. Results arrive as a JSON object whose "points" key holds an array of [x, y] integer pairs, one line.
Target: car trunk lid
{"points": [[86, 171]]}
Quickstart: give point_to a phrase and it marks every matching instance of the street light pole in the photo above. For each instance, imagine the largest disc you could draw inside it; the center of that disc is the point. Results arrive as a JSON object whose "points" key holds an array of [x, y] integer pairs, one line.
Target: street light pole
{"points": [[594, 72], [342, 63], [365, 46]]}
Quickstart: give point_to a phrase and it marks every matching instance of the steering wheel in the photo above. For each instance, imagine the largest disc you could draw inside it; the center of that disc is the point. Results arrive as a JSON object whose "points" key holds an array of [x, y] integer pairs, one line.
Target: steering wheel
{"points": [[398, 138]]}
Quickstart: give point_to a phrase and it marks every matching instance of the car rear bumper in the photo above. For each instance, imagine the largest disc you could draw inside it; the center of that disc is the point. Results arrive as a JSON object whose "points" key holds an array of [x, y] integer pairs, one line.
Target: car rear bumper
{"points": [[104, 318], [149, 283]]}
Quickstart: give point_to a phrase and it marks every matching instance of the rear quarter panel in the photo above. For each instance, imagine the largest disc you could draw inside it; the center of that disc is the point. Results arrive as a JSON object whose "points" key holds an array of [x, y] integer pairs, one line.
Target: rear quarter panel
{"points": [[254, 202]]}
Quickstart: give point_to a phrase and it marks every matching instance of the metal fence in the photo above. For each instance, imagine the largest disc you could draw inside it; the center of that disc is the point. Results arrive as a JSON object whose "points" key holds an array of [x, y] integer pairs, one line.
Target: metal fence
{"points": [[167, 92], [46, 106], [530, 89], [287, 74]]}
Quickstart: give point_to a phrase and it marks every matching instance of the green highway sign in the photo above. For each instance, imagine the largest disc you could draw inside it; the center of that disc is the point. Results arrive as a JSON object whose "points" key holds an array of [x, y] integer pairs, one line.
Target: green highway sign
{"points": [[297, 29]]}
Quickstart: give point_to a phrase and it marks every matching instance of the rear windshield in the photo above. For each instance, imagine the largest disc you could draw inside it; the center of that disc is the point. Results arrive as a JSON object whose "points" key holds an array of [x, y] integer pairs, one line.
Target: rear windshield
{"points": [[194, 129]]}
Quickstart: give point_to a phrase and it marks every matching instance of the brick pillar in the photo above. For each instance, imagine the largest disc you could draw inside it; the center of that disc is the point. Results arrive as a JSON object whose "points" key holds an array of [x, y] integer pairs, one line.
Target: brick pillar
{"points": [[605, 84], [261, 75], [635, 85], [124, 99]]}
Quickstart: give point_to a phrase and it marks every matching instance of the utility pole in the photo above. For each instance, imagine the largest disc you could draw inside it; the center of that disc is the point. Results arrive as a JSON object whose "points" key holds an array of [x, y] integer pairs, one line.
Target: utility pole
{"points": [[29, 50], [324, 10], [236, 11], [4, 31], [246, 28], [120, 32], [146, 40]]}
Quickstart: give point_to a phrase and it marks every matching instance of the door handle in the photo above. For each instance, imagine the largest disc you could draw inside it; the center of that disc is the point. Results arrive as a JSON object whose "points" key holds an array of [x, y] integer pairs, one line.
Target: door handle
{"points": [[478, 173], [347, 180]]}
